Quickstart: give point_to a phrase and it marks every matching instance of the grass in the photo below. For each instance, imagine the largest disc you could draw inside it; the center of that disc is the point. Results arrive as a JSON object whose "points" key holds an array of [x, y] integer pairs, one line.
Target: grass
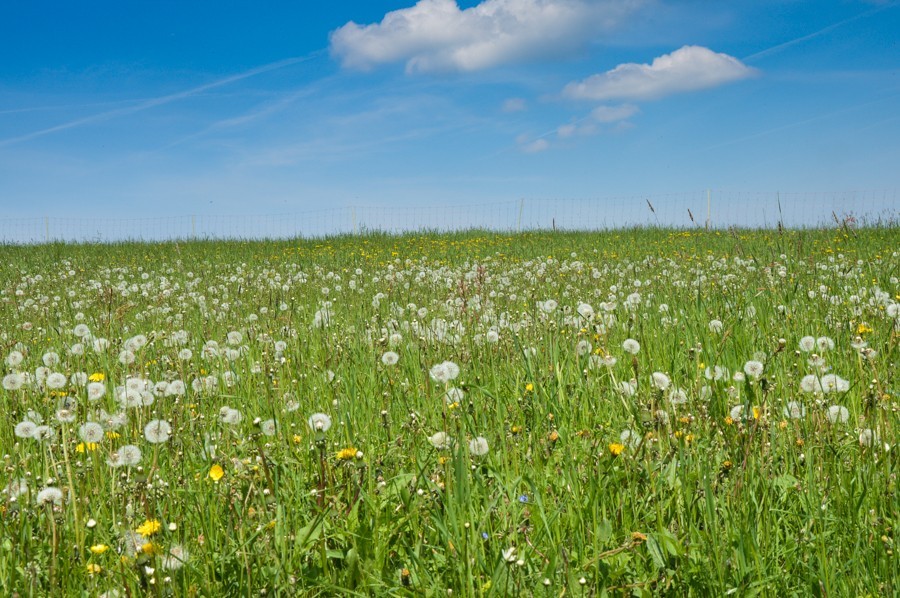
{"points": [[584, 489]]}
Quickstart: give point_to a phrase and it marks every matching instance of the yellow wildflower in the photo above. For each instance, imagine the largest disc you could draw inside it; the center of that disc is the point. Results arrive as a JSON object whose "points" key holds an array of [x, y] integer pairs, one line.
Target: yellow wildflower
{"points": [[149, 527], [93, 568], [216, 472], [346, 454], [86, 446], [616, 449], [97, 377], [99, 548]]}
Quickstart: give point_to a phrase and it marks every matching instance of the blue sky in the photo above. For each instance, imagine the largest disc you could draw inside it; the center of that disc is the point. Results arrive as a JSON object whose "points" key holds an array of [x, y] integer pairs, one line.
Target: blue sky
{"points": [[147, 108]]}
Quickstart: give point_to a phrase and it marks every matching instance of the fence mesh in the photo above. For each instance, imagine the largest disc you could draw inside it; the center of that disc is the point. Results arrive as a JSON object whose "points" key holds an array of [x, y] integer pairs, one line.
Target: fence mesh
{"points": [[708, 208]]}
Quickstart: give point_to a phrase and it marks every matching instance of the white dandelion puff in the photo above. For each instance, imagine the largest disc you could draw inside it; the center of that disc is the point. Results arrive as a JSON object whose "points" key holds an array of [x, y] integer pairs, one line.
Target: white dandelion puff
{"points": [[157, 431]]}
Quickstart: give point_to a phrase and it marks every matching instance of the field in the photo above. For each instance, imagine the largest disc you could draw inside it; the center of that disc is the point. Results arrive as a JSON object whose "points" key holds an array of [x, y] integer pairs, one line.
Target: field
{"points": [[641, 412]]}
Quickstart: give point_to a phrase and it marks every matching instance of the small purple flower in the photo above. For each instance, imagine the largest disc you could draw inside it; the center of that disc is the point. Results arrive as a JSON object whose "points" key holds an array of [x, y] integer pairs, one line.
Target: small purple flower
{"points": [[523, 498]]}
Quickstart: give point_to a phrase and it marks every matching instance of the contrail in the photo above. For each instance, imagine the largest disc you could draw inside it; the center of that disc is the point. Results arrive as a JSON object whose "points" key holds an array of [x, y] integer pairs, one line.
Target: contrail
{"points": [[815, 34], [154, 102]]}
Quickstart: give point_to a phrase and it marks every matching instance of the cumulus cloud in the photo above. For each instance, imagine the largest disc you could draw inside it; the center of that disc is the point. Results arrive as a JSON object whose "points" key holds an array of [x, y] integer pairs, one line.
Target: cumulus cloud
{"points": [[687, 69], [436, 35]]}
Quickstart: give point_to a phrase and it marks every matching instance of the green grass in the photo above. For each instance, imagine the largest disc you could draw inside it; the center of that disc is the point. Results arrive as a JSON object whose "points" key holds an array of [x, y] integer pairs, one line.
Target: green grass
{"points": [[698, 502]]}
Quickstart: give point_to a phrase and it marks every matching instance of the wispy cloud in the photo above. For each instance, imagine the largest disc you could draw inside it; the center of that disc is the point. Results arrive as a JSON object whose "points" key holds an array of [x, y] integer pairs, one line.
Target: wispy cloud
{"points": [[689, 68], [436, 35], [159, 101]]}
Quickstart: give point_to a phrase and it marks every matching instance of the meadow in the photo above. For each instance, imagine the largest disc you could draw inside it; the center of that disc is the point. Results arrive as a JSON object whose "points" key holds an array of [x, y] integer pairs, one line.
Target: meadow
{"points": [[622, 413]]}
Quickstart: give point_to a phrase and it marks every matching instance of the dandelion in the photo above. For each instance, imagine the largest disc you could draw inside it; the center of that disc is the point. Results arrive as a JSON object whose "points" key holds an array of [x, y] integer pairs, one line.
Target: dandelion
{"points": [[26, 429], [715, 326], [868, 437], [454, 395], [319, 422], [660, 380], [628, 388], [834, 383], [630, 438], [91, 432], [50, 494], [444, 372], [825, 343], [794, 410], [44, 433], [14, 359], [95, 391], [174, 558], [50, 359], [837, 414], [754, 369], [738, 412], [440, 440], [230, 416], [810, 383], [347, 454], [16, 488], [149, 527], [390, 358], [129, 455], [267, 427], [807, 344], [583, 348], [157, 431], [616, 449], [13, 381], [548, 306], [56, 380], [99, 548], [677, 396], [631, 346], [478, 446]]}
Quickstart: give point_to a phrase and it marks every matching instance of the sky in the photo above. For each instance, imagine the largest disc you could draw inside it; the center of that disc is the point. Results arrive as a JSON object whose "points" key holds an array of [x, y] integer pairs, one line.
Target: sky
{"points": [[129, 109]]}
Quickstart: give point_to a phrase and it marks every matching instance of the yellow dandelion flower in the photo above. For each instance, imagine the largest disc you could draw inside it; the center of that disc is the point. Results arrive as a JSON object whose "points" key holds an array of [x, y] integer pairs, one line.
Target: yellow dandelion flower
{"points": [[151, 548], [93, 568], [99, 548], [616, 449], [346, 454], [86, 446], [97, 377], [216, 472], [149, 527]]}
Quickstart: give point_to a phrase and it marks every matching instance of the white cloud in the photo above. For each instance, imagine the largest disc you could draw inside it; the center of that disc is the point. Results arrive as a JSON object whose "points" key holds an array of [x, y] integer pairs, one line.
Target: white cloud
{"points": [[538, 145], [567, 130], [436, 35], [611, 114], [686, 69], [514, 105]]}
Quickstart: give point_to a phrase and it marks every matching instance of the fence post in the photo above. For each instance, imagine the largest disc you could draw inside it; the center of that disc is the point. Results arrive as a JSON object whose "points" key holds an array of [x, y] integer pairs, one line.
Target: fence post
{"points": [[708, 207], [521, 209]]}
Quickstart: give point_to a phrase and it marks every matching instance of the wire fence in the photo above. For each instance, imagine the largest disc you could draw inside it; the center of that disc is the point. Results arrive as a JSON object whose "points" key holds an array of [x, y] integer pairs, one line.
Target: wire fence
{"points": [[705, 209]]}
